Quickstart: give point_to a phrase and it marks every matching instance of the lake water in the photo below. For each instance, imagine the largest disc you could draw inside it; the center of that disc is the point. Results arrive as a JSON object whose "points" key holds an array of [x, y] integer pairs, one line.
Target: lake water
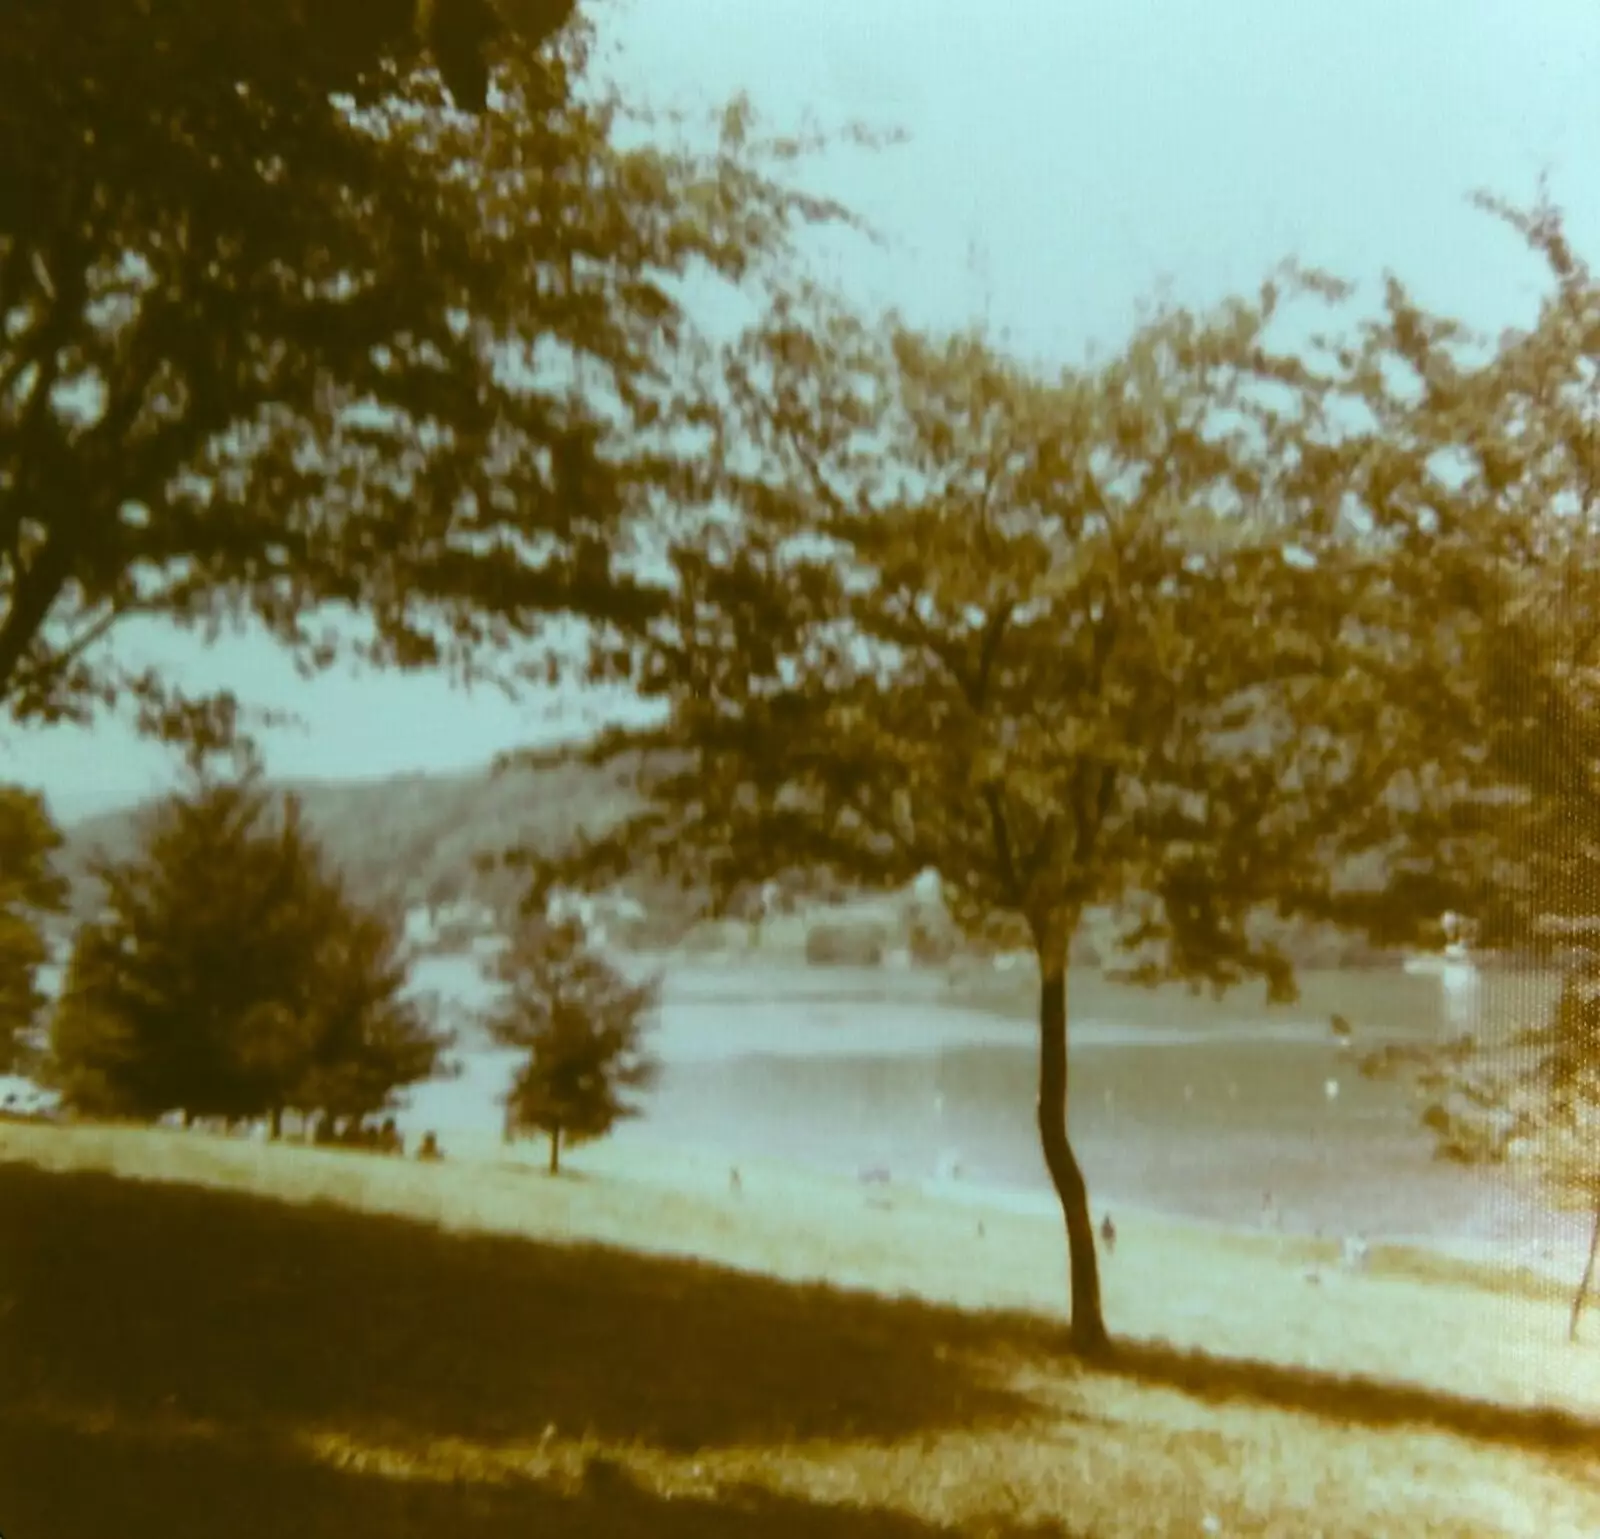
{"points": [[1181, 1106]]}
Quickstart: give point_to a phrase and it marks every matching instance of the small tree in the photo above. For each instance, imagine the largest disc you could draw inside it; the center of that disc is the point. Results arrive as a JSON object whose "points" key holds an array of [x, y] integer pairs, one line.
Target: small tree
{"points": [[228, 974], [582, 1025], [32, 892]]}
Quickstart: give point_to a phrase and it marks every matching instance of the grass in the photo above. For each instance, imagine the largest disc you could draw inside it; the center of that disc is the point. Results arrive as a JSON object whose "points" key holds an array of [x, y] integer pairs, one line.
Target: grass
{"points": [[209, 1338]]}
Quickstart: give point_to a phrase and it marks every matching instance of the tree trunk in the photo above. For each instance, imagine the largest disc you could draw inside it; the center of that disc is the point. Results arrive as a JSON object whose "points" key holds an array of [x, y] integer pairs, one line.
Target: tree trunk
{"points": [[1088, 1321], [277, 1123], [1588, 1272], [555, 1151], [188, 1119]]}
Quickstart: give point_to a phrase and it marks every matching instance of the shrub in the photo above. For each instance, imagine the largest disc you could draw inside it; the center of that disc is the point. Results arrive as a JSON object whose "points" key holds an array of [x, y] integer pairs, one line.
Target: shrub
{"points": [[837, 943]]}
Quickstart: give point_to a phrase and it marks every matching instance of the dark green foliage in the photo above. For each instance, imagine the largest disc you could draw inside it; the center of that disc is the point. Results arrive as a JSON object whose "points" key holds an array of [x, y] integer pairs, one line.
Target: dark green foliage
{"points": [[384, 381], [582, 1025], [1048, 636], [227, 974], [32, 893], [845, 943], [1476, 476]]}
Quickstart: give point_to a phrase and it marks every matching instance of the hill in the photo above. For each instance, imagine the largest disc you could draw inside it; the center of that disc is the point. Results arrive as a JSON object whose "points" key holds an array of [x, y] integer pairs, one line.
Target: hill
{"points": [[415, 838], [418, 838]]}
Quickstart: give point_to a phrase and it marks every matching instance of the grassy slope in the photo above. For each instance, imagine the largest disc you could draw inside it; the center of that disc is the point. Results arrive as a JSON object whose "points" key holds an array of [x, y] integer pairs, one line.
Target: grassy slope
{"points": [[246, 1341]]}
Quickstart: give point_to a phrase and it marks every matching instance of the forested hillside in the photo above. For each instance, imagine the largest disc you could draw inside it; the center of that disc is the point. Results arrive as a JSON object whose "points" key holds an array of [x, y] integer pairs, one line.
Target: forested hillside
{"points": [[418, 838]]}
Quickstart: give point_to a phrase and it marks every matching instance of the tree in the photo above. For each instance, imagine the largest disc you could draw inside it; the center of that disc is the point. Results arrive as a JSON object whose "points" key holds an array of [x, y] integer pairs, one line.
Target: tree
{"points": [[1476, 477], [372, 377], [582, 1025], [32, 892], [1094, 639], [1479, 468], [229, 975]]}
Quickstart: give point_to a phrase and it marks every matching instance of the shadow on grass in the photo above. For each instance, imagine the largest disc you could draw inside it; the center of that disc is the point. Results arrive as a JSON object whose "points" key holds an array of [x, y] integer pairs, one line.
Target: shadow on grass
{"points": [[1354, 1400], [155, 1298], [74, 1485]]}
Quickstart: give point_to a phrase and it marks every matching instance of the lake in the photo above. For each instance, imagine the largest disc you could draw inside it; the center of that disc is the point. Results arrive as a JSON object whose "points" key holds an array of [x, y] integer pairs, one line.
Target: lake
{"points": [[1189, 1107]]}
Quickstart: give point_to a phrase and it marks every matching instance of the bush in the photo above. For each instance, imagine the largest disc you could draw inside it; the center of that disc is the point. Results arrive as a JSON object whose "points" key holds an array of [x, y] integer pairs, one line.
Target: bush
{"points": [[930, 938], [835, 943]]}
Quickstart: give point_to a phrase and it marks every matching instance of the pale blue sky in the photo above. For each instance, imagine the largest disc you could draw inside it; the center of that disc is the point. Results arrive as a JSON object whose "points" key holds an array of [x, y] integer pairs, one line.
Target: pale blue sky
{"points": [[1086, 153]]}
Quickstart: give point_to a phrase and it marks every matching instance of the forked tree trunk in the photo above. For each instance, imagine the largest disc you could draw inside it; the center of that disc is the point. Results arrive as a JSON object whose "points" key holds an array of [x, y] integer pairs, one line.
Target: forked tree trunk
{"points": [[555, 1151], [1088, 1321], [1588, 1271]]}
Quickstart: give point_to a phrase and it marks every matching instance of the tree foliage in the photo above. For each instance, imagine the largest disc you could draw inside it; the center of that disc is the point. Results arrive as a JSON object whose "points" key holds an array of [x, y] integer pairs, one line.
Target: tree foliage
{"points": [[375, 377], [228, 975], [1476, 471], [32, 893], [582, 1024]]}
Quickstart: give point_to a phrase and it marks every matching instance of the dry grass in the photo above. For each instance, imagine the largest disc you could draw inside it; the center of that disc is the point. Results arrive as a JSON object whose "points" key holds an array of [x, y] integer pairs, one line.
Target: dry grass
{"points": [[206, 1338]]}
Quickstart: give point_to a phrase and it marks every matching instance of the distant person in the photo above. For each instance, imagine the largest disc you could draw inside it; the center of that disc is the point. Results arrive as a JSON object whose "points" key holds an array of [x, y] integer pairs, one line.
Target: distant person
{"points": [[735, 1184], [430, 1150], [1108, 1234]]}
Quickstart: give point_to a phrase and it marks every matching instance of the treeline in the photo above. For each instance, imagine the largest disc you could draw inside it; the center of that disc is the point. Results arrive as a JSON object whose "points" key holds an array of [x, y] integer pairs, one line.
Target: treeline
{"points": [[427, 841]]}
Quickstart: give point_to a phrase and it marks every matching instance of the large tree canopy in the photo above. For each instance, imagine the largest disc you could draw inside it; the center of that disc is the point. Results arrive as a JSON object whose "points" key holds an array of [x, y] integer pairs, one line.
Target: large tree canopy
{"points": [[268, 352]]}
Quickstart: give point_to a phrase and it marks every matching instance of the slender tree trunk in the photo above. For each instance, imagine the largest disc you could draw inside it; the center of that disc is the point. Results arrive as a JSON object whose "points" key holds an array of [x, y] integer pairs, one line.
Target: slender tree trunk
{"points": [[1588, 1272], [188, 1119], [555, 1151], [277, 1123], [1088, 1321]]}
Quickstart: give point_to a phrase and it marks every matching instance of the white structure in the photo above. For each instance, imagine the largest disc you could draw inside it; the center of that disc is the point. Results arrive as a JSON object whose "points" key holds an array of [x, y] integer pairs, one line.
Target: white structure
{"points": [[1457, 973]]}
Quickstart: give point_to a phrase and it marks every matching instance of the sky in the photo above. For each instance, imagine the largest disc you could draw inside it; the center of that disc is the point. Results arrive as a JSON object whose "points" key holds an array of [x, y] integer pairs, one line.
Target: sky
{"points": [[1064, 160]]}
